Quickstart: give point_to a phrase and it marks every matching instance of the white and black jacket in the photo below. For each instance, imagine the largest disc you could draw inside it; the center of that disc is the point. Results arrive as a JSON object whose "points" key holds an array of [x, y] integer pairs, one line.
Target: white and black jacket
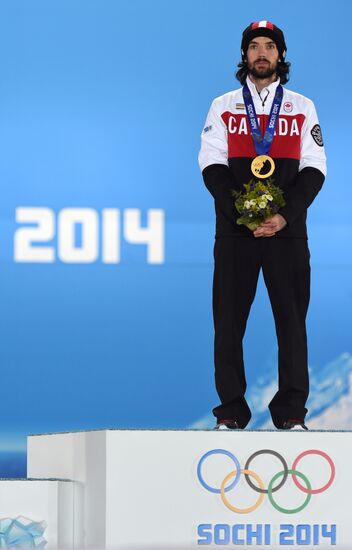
{"points": [[227, 151]]}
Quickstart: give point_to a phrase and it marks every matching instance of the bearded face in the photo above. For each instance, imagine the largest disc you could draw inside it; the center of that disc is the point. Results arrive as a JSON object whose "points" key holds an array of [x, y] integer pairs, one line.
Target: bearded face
{"points": [[262, 57]]}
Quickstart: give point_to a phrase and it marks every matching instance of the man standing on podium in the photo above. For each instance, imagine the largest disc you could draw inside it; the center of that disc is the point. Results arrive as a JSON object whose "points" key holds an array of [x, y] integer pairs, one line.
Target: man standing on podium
{"points": [[262, 119]]}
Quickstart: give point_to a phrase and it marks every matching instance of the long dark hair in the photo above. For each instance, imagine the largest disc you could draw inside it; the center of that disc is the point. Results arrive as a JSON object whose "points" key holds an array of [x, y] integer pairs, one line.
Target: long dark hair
{"points": [[282, 70]]}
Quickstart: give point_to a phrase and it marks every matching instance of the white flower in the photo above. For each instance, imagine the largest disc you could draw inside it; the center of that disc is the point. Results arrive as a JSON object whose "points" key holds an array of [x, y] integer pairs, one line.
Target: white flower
{"points": [[269, 197], [247, 204], [262, 204], [252, 202]]}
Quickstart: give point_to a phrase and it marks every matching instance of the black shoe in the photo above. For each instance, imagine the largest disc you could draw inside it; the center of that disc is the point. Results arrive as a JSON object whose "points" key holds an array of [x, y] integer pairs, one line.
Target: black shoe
{"points": [[293, 423], [227, 425]]}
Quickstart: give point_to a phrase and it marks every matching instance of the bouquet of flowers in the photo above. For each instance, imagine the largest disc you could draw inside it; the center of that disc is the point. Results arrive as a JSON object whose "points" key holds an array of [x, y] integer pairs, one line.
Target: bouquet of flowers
{"points": [[259, 201]]}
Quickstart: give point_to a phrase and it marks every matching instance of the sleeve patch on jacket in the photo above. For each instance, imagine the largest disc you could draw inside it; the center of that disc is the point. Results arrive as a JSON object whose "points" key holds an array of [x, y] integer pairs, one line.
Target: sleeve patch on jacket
{"points": [[316, 134], [207, 129]]}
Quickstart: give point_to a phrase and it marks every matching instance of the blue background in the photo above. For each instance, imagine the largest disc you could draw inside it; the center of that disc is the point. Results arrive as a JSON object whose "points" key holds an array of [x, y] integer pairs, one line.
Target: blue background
{"points": [[101, 106]]}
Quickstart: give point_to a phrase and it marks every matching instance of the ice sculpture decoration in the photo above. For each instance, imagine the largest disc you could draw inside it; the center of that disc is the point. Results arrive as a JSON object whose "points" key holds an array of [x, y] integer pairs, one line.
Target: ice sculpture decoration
{"points": [[22, 532]]}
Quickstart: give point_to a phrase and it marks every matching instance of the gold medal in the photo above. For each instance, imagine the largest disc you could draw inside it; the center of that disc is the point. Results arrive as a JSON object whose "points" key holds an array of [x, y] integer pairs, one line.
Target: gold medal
{"points": [[258, 163]]}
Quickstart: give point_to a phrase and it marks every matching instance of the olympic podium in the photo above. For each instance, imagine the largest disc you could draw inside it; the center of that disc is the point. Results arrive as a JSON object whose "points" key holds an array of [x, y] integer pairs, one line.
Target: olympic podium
{"points": [[166, 489], [35, 513]]}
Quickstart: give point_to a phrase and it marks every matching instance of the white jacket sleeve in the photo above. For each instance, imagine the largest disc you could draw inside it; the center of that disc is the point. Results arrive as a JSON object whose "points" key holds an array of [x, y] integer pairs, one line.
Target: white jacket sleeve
{"points": [[312, 147], [213, 140]]}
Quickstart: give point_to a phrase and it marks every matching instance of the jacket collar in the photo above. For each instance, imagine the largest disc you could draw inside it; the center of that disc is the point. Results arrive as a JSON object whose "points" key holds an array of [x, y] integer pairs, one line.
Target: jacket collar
{"points": [[268, 90]]}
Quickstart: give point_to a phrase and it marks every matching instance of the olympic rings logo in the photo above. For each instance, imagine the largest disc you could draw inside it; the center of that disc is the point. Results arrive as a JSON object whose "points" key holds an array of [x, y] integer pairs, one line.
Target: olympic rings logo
{"points": [[233, 478]]}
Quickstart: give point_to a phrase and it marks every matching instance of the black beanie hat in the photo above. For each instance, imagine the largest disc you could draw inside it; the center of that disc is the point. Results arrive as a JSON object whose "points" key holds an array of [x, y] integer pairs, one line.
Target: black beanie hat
{"points": [[264, 28]]}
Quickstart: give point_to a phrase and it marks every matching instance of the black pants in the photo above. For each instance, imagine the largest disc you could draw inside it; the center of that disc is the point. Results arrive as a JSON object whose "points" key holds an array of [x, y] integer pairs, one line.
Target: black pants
{"points": [[286, 271]]}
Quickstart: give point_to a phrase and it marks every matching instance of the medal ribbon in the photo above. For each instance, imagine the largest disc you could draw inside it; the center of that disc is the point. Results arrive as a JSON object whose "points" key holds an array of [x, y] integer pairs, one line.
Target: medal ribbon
{"points": [[262, 144]]}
